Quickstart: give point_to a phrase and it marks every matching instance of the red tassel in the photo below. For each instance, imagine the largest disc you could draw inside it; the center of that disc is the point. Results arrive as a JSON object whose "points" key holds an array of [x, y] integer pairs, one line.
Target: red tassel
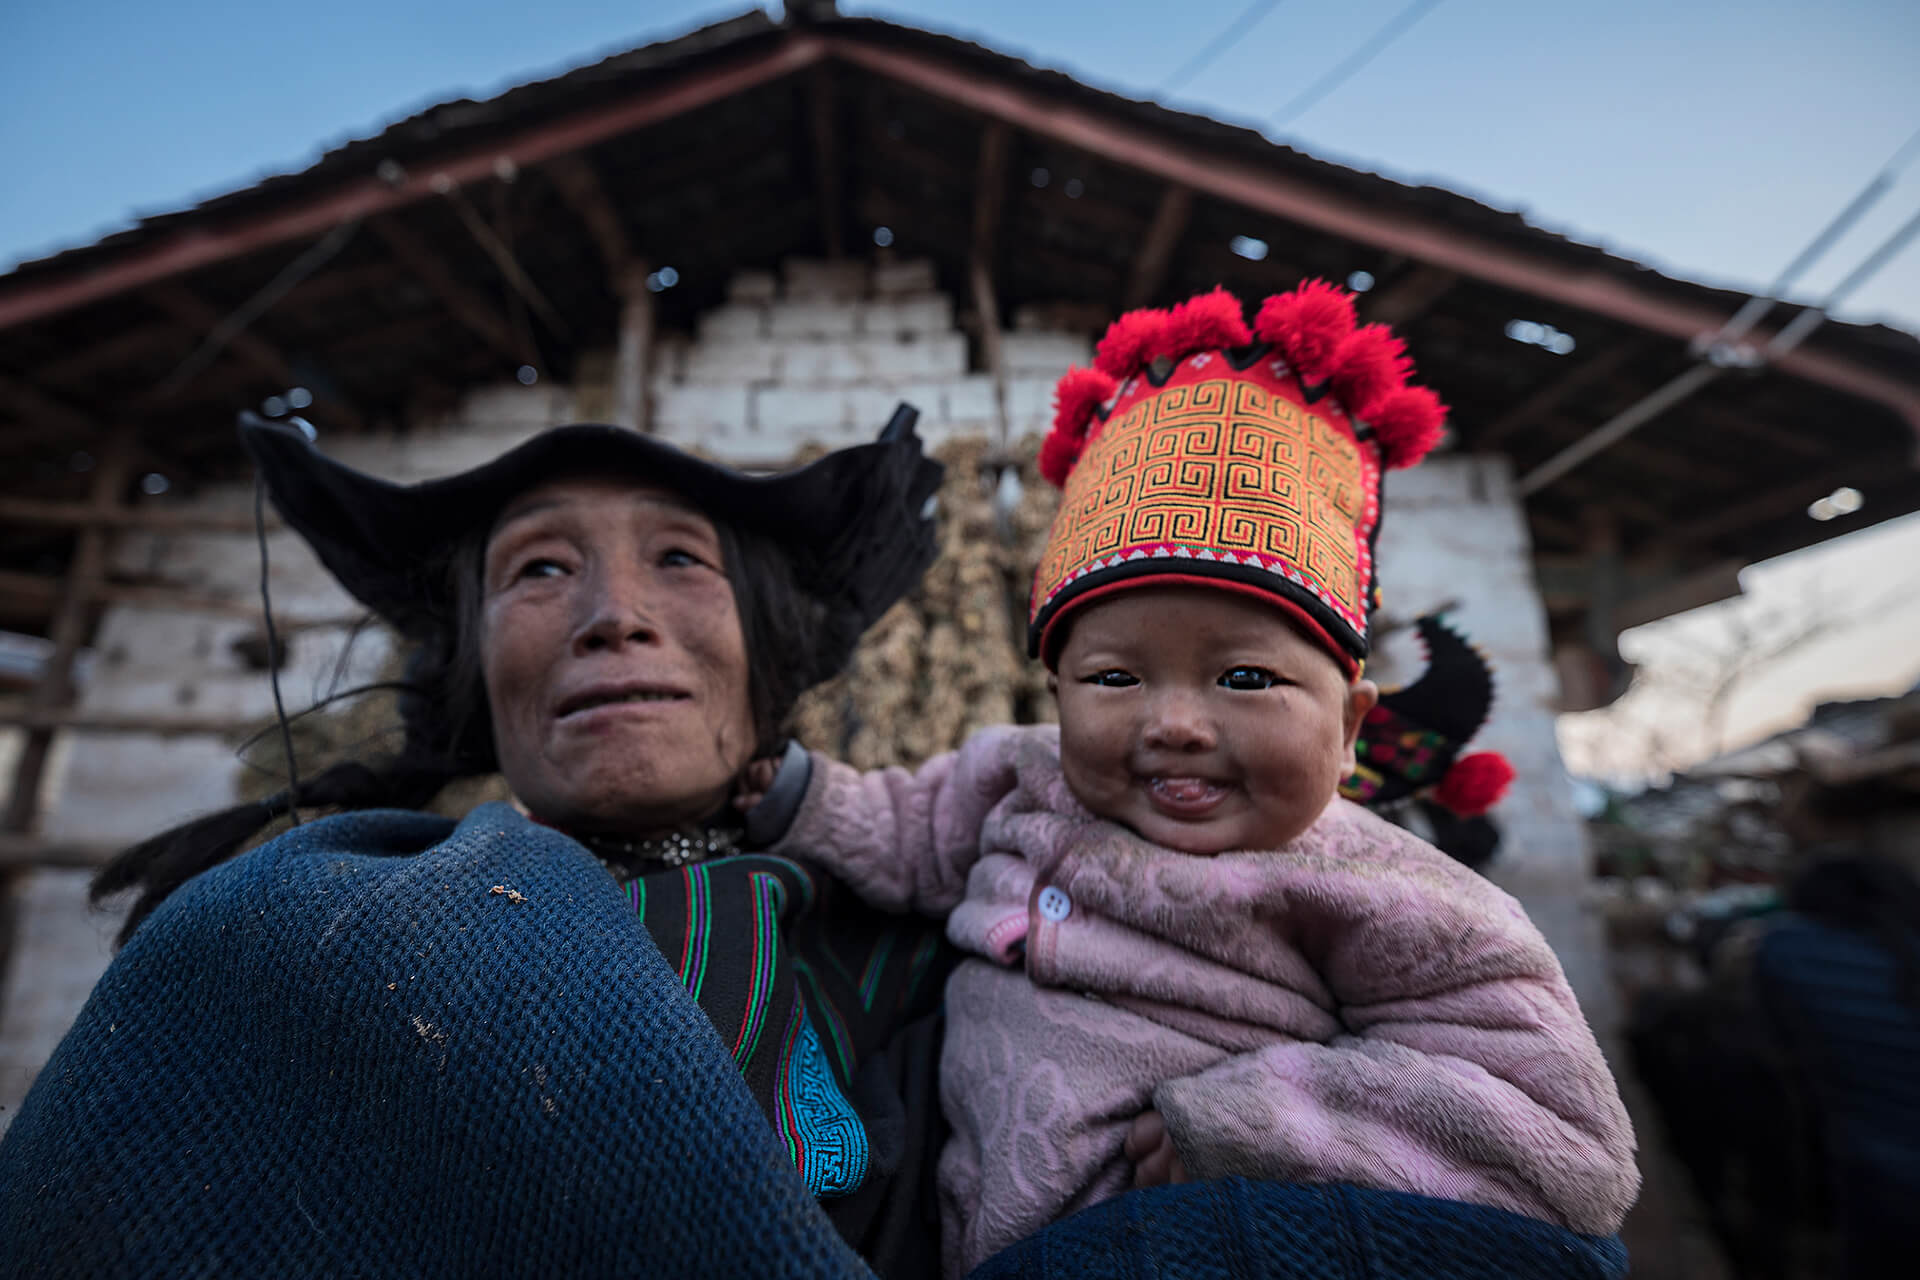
{"points": [[1075, 398], [1370, 363], [1204, 322], [1058, 452], [1307, 325], [1408, 423], [1131, 341], [1474, 784]]}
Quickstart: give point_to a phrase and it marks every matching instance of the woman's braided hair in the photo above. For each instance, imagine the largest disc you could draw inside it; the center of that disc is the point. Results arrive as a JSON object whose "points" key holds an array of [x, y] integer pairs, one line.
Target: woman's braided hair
{"points": [[448, 724]]}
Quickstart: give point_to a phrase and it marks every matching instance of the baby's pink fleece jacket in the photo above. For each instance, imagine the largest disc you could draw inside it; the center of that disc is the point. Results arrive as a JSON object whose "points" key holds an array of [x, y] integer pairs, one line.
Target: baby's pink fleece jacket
{"points": [[1354, 1007]]}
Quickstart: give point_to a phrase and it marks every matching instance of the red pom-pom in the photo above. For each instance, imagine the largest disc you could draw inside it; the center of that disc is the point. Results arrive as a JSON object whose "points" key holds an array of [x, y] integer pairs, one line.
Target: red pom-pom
{"points": [[1407, 423], [1366, 366], [1075, 398], [1058, 452], [1131, 341], [1307, 325], [1474, 784], [1203, 323]]}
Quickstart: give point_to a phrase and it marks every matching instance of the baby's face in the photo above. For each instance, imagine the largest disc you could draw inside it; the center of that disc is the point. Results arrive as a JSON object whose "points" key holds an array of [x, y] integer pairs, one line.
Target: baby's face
{"points": [[1202, 719]]}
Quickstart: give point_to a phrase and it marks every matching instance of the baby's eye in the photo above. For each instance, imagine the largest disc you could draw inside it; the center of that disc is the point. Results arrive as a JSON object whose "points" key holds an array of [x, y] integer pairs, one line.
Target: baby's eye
{"points": [[1112, 679], [1248, 678]]}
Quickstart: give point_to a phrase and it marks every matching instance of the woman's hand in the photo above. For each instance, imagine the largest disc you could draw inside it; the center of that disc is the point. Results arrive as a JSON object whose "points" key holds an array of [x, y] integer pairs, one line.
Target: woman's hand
{"points": [[1155, 1160], [754, 781]]}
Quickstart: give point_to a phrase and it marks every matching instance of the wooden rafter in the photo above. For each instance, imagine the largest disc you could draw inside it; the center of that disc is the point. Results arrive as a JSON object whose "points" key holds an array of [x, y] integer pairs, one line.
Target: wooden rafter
{"points": [[39, 513], [39, 594], [49, 414], [1409, 297], [1803, 443], [463, 302], [1384, 225], [989, 202], [1169, 223], [580, 188], [68, 631], [829, 183], [143, 339], [1786, 498], [193, 311], [1530, 411]]}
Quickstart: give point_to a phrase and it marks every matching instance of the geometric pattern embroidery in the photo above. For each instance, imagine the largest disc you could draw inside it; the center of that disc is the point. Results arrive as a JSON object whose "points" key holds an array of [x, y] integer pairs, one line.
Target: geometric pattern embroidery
{"points": [[1224, 470], [824, 1137]]}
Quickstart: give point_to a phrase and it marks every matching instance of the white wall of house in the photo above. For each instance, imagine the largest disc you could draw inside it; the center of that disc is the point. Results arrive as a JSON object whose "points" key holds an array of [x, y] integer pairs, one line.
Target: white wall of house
{"points": [[819, 357]]}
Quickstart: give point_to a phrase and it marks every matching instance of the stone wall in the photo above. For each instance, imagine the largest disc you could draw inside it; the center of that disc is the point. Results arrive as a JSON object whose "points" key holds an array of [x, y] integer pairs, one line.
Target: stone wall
{"points": [[816, 357]]}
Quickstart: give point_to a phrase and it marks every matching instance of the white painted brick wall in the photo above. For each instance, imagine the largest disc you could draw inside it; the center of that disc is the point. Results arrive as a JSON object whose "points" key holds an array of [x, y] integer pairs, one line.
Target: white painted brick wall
{"points": [[805, 318], [1047, 355], [812, 278], [735, 320], [912, 314], [891, 279], [753, 286], [870, 358]]}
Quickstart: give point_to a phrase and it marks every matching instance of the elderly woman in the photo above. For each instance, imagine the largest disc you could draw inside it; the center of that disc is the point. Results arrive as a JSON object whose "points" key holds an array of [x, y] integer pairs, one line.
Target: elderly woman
{"points": [[593, 1034]]}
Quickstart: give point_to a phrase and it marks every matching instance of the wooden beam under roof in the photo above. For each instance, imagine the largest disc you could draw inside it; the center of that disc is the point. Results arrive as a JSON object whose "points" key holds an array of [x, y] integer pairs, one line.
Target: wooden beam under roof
{"points": [[1409, 297], [41, 513], [52, 415], [462, 301], [829, 182], [1170, 218], [1804, 444], [1543, 401], [582, 191], [1784, 499], [203, 318], [1381, 224], [68, 631], [153, 337], [989, 201]]}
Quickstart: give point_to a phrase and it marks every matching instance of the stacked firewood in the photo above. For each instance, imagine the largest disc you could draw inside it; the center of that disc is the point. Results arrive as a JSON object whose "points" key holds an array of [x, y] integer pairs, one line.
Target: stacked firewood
{"points": [[951, 658]]}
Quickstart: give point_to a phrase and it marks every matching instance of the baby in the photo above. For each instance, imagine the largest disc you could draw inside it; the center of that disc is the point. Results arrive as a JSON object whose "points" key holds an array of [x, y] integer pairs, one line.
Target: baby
{"points": [[1188, 953]]}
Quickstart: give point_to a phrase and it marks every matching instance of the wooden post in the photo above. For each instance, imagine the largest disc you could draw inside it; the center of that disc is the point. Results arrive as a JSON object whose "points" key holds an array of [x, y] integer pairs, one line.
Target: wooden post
{"points": [[633, 358], [989, 192], [69, 631], [827, 181], [1156, 251]]}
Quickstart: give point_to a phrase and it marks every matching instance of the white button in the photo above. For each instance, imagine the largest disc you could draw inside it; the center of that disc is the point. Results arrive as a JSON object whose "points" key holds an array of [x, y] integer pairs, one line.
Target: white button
{"points": [[1055, 905]]}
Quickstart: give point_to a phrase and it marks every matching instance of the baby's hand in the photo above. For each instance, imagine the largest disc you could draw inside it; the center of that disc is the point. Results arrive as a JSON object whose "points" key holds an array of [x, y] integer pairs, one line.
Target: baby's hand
{"points": [[1150, 1147], [754, 781]]}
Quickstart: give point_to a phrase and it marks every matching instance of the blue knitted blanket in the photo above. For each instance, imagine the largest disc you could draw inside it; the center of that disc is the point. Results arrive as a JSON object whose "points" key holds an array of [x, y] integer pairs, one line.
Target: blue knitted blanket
{"points": [[384, 1045]]}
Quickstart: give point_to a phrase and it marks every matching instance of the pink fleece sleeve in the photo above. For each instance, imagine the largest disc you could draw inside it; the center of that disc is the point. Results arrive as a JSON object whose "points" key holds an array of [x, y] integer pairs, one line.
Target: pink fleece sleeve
{"points": [[1468, 1072], [904, 840]]}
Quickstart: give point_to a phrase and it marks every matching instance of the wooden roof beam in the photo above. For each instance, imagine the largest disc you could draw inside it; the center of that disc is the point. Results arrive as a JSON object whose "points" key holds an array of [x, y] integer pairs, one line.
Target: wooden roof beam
{"points": [[1169, 223], [580, 188], [989, 202], [196, 313], [53, 416], [829, 170], [1786, 498], [463, 302], [202, 245], [1533, 410], [41, 513], [1380, 224], [1409, 297]]}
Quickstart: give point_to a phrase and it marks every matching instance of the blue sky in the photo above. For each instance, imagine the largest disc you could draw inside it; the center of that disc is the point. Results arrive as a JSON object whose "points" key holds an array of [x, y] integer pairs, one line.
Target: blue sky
{"points": [[1711, 139]]}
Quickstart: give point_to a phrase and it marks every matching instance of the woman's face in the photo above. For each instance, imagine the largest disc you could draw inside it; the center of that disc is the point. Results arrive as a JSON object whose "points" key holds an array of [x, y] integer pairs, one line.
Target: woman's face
{"points": [[614, 659]]}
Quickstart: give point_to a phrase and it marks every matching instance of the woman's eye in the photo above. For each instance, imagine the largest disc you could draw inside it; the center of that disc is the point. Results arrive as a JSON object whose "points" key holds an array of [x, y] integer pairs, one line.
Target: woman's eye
{"points": [[1114, 679], [679, 557], [1248, 678], [540, 568]]}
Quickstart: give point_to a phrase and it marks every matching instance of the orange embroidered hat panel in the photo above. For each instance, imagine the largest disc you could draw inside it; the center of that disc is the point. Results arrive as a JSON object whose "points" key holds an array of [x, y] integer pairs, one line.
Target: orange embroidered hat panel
{"points": [[1220, 464]]}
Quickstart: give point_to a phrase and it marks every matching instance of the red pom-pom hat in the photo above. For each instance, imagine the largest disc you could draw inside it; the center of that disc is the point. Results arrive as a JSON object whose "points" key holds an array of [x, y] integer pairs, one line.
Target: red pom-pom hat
{"points": [[1201, 450]]}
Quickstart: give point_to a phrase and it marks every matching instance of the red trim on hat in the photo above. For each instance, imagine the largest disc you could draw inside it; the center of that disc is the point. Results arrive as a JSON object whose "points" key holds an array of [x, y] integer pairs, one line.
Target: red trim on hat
{"points": [[1300, 617]]}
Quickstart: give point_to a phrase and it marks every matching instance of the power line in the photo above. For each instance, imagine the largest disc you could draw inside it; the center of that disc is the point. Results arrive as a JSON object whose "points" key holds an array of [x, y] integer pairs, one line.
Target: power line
{"points": [[1239, 27], [1395, 27]]}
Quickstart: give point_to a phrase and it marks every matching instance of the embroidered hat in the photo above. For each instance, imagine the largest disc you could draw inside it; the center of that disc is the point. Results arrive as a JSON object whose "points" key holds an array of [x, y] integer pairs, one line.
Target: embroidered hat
{"points": [[1411, 741], [1197, 450]]}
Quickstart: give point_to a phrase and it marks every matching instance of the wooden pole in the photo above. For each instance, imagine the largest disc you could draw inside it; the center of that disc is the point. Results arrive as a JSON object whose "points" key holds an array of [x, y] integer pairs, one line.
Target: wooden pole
{"points": [[633, 358], [989, 195], [1150, 265], [69, 630]]}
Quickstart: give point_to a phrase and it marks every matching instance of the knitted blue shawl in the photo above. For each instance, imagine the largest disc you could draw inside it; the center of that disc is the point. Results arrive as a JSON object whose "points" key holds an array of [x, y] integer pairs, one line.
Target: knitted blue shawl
{"points": [[384, 1045]]}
